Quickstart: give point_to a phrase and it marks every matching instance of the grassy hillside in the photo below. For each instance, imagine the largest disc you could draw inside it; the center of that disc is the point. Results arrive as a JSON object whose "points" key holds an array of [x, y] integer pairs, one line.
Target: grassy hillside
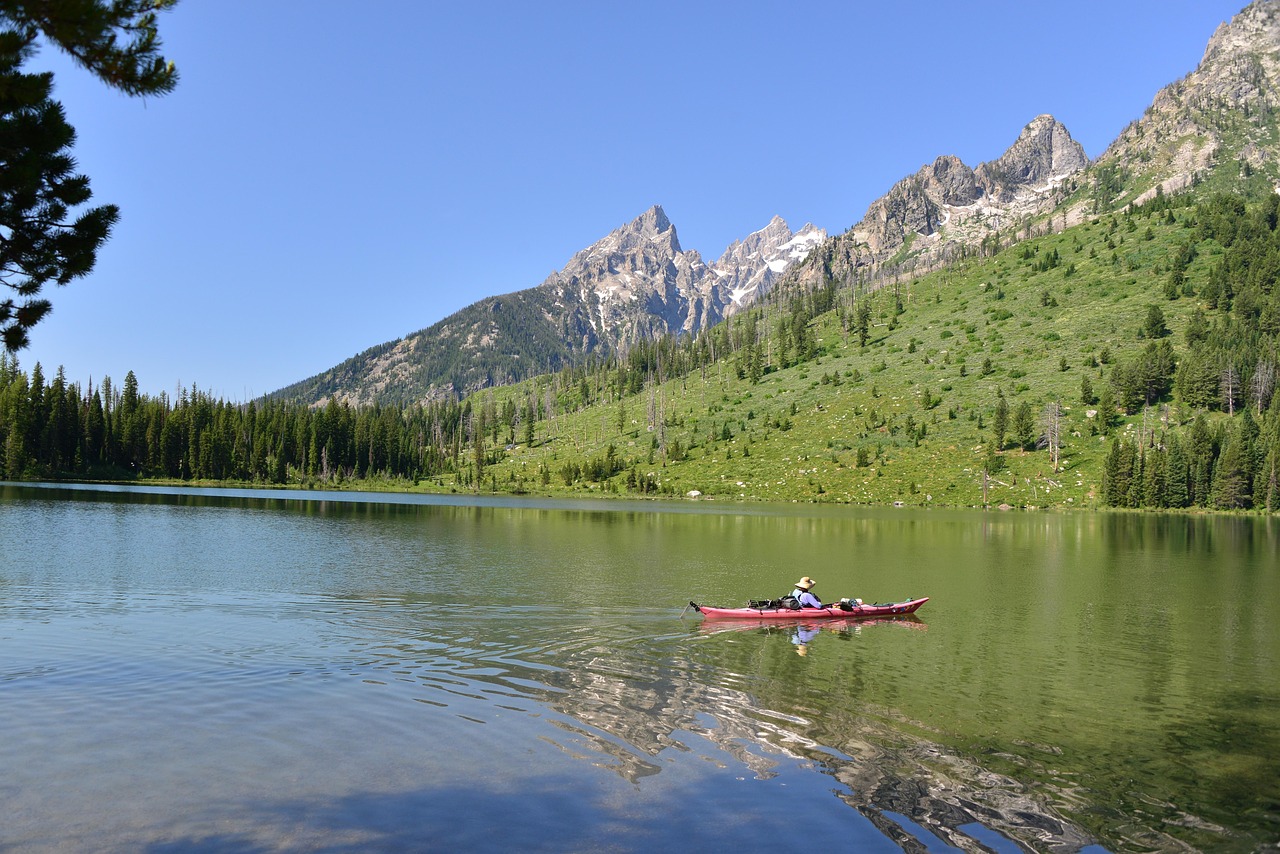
{"points": [[910, 415]]}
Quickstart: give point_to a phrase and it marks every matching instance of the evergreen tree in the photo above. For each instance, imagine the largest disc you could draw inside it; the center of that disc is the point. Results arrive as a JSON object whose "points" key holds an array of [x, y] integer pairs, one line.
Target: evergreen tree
{"points": [[1116, 471], [1000, 422], [1155, 480], [1196, 381], [1137, 476], [1087, 397], [44, 241], [864, 322], [1232, 487], [1177, 475], [1201, 452], [1106, 409], [1155, 371], [1155, 326], [1024, 425]]}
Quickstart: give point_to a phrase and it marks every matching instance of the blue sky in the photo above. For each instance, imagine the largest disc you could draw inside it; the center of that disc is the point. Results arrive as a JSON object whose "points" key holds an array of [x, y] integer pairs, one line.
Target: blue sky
{"points": [[330, 176]]}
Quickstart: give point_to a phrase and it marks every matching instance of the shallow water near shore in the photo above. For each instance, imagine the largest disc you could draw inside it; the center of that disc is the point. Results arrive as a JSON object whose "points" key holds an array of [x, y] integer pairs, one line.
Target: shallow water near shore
{"points": [[247, 670]]}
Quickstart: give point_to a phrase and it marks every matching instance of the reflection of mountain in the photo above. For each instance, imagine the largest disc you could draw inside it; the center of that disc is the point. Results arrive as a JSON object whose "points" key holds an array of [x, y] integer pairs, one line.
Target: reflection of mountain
{"points": [[626, 701], [631, 706]]}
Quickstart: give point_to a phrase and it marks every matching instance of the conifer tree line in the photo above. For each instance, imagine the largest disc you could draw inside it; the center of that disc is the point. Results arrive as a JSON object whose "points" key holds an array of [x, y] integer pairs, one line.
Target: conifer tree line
{"points": [[56, 429], [1228, 364]]}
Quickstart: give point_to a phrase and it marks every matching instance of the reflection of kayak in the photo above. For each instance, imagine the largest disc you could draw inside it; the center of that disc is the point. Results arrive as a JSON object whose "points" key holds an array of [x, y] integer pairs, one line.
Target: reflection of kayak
{"points": [[837, 611], [764, 624]]}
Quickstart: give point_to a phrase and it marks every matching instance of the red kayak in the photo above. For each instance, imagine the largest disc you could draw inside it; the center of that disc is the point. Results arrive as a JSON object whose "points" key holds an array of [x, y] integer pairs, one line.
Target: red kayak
{"points": [[834, 611]]}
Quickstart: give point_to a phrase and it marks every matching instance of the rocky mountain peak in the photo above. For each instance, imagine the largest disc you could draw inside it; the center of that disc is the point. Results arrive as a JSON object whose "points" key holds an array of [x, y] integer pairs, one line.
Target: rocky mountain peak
{"points": [[1043, 152], [1243, 56], [652, 224], [636, 282], [1223, 114], [749, 267], [928, 217], [650, 229]]}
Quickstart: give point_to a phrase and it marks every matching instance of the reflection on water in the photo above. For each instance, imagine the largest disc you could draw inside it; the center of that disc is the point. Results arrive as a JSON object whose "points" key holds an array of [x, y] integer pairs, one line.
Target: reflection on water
{"points": [[273, 673]]}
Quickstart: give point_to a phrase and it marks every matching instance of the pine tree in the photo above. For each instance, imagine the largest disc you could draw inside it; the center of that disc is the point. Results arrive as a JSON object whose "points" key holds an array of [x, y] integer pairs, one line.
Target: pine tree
{"points": [[1155, 480], [1177, 475], [1155, 325], [45, 242], [1231, 480], [1024, 425], [864, 322], [1087, 397], [1117, 471], [1000, 423], [1106, 409]]}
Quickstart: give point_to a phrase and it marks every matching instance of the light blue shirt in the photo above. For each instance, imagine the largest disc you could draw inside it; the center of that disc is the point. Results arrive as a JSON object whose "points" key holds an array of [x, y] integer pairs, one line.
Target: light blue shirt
{"points": [[806, 599]]}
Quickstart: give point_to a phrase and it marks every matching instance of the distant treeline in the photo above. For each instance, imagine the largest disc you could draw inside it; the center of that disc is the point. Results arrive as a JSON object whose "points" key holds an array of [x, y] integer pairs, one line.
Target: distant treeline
{"points": [[61, 430]]}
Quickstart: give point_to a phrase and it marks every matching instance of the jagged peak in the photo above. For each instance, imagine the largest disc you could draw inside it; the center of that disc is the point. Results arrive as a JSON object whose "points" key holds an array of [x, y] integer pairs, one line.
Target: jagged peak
{"points": [[652, 226], [1043, 126], [654, 220], [1256, 22], [776, 232], [1043, 151], [1040, 122]]}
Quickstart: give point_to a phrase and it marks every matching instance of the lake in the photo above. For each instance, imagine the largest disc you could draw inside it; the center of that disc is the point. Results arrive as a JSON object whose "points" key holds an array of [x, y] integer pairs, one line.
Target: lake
{"points": [[245, 670]]}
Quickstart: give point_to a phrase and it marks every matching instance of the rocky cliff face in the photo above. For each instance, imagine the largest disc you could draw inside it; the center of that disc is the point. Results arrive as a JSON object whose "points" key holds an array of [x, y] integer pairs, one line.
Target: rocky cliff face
{"points": [[1043, 154], [1221, 122], [637, 282], [1222, 116], [748, 268], [926, 218]]}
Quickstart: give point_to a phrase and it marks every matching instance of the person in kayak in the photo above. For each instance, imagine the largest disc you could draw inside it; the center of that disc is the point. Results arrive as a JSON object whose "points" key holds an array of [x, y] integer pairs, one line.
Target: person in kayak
{"points": [[803, 596]]}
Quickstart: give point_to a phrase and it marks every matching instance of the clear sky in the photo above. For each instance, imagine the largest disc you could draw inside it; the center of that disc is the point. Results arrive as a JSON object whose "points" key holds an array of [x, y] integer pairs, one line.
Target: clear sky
{"points": [[330, 176]]}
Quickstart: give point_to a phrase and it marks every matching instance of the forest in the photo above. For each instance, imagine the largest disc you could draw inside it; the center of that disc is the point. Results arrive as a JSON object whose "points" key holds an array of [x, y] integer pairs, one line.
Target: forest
{"points": [[1228, 365]]}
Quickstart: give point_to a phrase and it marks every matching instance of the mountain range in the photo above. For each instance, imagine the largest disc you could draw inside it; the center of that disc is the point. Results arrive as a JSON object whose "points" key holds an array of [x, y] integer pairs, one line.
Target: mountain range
{"points": [[633, 284], [1216, 127]]}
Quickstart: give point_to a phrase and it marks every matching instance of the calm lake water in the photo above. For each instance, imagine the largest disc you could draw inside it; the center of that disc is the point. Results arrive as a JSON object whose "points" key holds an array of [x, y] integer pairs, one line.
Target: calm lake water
{"points": [[237, 670]]}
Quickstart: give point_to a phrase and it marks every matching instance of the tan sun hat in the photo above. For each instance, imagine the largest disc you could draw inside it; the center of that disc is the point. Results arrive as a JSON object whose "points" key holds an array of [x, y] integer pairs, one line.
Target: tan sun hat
{"points": [[805, 583]]}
